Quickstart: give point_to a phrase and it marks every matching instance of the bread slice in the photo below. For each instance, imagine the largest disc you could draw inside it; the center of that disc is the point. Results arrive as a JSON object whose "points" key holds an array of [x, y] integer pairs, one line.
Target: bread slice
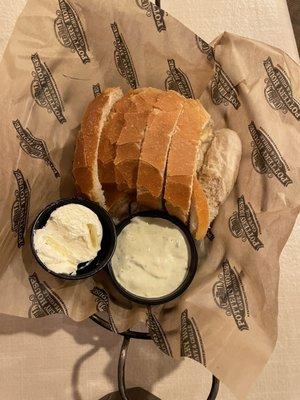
{"points": [[109, 138], [161, 127], [183, 159], [128, 150], [199, 213], [220, 169], [85, 167], [131, 138]]}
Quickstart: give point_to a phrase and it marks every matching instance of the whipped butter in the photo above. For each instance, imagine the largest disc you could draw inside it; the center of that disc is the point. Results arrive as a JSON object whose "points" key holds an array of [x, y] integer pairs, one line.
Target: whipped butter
{"points": [[72, 235], [151, 258]]}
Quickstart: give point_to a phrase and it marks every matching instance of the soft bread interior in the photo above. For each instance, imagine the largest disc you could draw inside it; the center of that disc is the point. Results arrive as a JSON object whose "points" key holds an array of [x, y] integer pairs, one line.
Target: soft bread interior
{"points": [[205, 141], [220, 169]]}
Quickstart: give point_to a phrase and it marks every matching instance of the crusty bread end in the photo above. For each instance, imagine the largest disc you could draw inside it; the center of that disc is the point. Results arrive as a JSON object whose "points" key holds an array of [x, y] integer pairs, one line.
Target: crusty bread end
{"points": [[85, 166], [199, 214], [220, 169]]}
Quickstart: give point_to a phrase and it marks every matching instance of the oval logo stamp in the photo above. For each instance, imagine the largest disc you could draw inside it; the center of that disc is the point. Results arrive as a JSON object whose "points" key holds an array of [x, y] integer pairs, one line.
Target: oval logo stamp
{"points": [[44, 89], [34, 147], [266, 158], [69, 30], [177, 80], [229, 295], [157, 333], [155, 12], [278, 90], [123, 60], [222, 89], [44, 300], [244, 224], [20, 208], [191, 344]]}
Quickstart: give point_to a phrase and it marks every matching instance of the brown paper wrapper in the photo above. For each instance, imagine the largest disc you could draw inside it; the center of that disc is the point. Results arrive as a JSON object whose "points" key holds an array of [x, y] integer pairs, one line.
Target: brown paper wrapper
{"points": [[63, 53]]}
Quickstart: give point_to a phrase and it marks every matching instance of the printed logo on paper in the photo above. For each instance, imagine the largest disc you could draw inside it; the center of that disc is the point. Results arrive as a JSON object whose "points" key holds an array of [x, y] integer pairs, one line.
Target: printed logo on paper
{"points": [[229, 295], [205, 48], [155, 12], [244, 224], [177, 80], [44, 300], [44, 89], [222, 89], [266, 158], [69, 30], [191, 344], [96, 89], [102, 300], [123, 58], [157, 333], [34, 147], [20, 208], [278, 90]]}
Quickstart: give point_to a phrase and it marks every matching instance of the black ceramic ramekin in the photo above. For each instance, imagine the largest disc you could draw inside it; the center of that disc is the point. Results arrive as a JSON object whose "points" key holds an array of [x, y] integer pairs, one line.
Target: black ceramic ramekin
{"points": [[108, 243], [192, 267]]}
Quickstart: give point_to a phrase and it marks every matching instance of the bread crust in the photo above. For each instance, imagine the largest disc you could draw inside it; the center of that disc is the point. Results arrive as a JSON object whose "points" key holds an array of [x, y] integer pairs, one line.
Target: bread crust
{"points": [[109, 138], [199, 213], [149, 146], [85, 170], [131, 138], [182, 159], [162, 125]]}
